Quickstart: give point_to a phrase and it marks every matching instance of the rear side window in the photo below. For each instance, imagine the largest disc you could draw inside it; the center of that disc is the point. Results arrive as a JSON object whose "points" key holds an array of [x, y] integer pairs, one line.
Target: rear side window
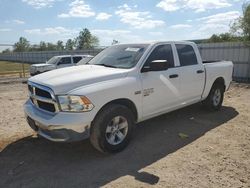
{"points": [[76, 59], [65, 60], [162, 52], [186, 55]]}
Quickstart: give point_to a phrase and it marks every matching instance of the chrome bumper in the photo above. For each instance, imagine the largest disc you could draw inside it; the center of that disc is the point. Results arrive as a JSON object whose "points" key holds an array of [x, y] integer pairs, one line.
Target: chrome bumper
{"points": [[58, 127]]}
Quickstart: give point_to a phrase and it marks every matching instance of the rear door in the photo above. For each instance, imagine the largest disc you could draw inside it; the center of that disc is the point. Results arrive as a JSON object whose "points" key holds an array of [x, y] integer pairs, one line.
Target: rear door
{"points": [[191, 73]]}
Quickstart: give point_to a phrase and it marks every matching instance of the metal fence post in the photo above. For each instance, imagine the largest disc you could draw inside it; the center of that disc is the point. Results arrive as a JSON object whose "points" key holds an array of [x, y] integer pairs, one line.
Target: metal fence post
{"points": [[248, 79], [23, 70]]}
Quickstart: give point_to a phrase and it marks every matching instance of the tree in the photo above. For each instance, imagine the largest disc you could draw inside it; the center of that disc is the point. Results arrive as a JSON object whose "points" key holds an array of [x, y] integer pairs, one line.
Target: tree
{"points": [[214, 38], [22, 45], [51, 46], [86, 40], [70, 44], [34, 47], [6, 51], [241, 26], [42, 46], [94, 41], [239, 29], [59, 45], [224, 37]]}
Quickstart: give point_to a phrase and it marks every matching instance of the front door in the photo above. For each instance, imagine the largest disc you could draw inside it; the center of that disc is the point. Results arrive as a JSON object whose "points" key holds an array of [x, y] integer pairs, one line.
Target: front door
{"points": [[64, 62], [160, 89]]}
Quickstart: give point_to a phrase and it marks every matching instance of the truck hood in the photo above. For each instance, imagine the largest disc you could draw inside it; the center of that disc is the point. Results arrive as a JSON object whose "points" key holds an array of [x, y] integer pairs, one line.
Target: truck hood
{"points": [[42, 65], [62, 81]]}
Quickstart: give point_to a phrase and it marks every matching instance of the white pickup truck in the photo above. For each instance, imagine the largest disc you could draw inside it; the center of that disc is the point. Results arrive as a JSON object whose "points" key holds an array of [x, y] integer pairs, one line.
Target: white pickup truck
{"points": [[121, 86], [57, 62]]}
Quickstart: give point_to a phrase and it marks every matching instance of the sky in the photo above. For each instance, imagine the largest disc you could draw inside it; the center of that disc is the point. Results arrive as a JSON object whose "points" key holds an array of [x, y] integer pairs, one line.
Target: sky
{"points": [[127, 21]]}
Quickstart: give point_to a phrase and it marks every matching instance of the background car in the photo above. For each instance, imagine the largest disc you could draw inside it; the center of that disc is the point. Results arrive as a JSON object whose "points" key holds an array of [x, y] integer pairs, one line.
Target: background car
{"points": [[57, 62]]}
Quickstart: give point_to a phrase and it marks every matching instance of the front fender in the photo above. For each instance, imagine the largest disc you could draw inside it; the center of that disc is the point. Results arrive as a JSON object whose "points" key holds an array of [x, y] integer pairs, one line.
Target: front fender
{"points": [[104, 92]]}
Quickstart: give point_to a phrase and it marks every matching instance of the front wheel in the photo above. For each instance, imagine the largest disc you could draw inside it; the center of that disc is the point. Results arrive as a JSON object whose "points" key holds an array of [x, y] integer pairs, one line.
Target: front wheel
{"points": [[215, 98], [112, 128]]}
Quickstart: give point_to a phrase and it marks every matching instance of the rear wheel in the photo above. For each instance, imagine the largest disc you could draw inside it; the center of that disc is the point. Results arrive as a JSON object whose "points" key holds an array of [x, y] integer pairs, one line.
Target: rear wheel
{"points": [[112, 128], [215, 98]]}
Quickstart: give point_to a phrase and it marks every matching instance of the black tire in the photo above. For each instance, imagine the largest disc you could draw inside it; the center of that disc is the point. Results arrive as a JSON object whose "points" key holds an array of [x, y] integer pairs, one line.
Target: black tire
{"points": [[39, 136], [98, 134], [210, 103]]}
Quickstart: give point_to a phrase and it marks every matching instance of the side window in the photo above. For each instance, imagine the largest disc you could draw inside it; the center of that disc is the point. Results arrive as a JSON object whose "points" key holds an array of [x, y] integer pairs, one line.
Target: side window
{"points": [[186, 55], [64, 60], [162, 52], [76, 59]]}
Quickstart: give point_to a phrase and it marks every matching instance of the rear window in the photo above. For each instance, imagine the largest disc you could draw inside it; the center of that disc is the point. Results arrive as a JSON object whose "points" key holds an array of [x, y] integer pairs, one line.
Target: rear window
{"points": [[186, 55], [76, 59]]}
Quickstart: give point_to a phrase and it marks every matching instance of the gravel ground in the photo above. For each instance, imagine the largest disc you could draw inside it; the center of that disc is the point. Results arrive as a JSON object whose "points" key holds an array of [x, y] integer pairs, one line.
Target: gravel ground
{"points": [[215, 153]]}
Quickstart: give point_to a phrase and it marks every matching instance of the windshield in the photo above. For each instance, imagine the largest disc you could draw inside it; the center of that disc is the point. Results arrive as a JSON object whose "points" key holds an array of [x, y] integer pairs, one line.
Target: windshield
{"points": [[120, 56], [84, 60], [53, 60]]}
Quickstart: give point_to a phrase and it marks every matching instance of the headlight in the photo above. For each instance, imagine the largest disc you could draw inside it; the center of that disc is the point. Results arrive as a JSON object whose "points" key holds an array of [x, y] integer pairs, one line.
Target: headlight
{"points": [[69, 103]]}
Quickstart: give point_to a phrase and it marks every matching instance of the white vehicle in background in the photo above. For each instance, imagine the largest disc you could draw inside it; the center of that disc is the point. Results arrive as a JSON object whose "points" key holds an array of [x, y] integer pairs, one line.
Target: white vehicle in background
{"points": [[84, 61], [57, 62], [121, 86]]}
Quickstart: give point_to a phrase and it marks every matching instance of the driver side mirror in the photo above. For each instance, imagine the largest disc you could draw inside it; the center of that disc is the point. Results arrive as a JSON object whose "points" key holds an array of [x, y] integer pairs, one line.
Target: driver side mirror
{"points": [[156, 65]]}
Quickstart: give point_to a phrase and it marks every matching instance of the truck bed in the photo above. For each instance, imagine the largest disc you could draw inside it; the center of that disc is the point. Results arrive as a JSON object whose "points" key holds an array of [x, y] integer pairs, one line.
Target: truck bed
{"points": [[211, 61], [214, 70]]}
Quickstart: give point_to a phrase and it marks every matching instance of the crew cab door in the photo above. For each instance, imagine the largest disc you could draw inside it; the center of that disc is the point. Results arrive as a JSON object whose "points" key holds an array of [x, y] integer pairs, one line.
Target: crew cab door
{"points": [[64, 62], [192, 73], [160, 88]]}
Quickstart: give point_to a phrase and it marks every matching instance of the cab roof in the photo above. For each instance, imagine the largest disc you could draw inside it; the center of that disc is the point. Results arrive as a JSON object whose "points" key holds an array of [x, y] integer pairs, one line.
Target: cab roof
{"points": [[158, 42], [76, 55]]}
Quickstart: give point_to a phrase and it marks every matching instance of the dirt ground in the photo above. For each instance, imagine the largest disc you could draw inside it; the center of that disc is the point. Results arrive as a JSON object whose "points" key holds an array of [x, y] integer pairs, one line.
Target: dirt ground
{"points": [[216, 152]]}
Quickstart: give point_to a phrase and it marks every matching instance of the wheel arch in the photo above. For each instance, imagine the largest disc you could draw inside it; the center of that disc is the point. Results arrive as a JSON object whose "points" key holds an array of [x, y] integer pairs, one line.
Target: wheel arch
{"points": [[220, 81], [125, 102]]}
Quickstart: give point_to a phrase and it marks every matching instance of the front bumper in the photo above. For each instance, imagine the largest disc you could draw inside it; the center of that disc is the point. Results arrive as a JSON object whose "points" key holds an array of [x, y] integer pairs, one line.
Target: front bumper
{"points": [[58, 127]]}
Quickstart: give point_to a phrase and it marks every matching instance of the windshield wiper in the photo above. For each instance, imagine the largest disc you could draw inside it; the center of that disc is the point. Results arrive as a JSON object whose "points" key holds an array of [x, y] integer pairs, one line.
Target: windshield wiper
{"points": [[106, 65]]}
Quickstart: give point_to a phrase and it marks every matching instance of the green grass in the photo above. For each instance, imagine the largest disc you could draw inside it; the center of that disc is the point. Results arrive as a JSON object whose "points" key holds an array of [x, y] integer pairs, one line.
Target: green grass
{"points": [[6, 66]]}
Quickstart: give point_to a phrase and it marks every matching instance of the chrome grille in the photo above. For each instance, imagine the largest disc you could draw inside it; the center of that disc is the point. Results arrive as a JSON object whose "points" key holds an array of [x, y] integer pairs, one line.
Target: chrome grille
{"points": [[42, 97]]}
